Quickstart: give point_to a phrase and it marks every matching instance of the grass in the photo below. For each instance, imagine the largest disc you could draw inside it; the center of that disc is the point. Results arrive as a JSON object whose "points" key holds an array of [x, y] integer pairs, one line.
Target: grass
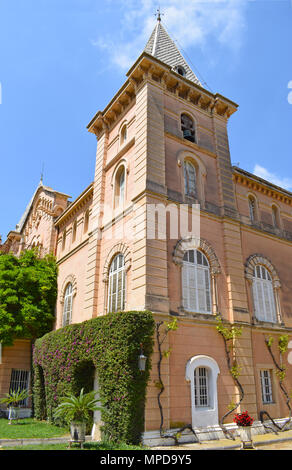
{"points": [[30, 428], [87, 446]]}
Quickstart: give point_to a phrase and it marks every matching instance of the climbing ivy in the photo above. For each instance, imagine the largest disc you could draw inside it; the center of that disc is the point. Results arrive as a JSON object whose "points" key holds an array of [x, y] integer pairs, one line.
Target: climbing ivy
{"points": [[283, 341], [229, 334], [160, 338], [65, 360]]}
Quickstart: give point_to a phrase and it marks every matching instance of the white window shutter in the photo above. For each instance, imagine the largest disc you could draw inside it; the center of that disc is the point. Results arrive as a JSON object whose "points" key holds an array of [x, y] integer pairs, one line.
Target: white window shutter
{"points": [[258, 299], [201, 286], [192, 275], [196, 289], [185, 289]]}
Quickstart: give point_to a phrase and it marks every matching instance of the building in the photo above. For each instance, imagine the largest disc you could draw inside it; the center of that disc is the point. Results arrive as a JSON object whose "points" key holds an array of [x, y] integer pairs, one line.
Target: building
{"points": [[163, 144]]}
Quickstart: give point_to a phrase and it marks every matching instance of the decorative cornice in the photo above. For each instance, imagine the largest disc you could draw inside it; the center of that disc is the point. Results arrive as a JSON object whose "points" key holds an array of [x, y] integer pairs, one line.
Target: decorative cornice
{"points": [[148, 68], [75, 206], [255, 183]]}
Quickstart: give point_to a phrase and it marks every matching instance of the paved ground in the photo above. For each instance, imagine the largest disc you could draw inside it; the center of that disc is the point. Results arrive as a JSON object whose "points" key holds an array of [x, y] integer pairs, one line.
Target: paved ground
{"points": [[279, 446], [269, 441]]}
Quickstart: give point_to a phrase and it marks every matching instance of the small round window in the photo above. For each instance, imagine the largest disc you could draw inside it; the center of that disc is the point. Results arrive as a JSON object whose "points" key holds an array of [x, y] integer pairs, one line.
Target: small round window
{"points": [[180, 70]]}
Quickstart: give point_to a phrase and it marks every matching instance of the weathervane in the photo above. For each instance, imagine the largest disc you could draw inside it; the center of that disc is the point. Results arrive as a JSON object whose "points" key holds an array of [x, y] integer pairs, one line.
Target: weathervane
{"points": [[42, 174], [159, 14]]}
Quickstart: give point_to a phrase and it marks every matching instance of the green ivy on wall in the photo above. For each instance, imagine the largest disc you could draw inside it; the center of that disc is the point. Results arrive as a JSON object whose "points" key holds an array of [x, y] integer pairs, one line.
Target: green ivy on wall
{"points": [[65, 361]]}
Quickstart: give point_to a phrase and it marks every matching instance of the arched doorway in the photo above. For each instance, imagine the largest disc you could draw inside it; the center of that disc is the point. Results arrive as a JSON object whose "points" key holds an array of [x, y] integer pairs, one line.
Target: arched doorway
{"points": [[202, 373]]}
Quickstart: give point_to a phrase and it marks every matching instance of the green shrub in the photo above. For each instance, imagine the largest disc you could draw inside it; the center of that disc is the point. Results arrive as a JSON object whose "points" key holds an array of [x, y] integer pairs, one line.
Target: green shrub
{"points": [[110, 344]]}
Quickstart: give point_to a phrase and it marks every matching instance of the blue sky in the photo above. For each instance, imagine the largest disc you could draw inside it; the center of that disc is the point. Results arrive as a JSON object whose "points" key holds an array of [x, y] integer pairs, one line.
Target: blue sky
{"points": [[62, 60]]}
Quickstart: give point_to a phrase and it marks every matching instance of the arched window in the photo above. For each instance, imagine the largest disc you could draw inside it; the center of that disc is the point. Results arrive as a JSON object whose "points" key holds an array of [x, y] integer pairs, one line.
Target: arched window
{"points": [[190, 179], [86, 221], [64, 240], [252, 209], [188, 128], [120, 187], [68, 304], [180, 70], [124, 134], [196, 282], [116, 286], [74, 231], [275, 216], [263, 295]]}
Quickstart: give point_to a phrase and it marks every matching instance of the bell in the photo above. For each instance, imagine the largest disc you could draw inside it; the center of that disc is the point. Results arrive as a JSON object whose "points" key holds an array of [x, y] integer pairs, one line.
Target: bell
{"points": [[187, 133]]}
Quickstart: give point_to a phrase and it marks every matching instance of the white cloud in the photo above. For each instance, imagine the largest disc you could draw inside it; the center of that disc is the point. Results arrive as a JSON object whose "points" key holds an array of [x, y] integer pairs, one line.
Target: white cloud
{"points": [[285, 183], [190, 22]]}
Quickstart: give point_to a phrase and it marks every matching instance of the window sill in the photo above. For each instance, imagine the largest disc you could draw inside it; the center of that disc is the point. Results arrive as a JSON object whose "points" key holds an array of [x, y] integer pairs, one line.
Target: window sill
{"points": [[268, 323], [203, 316]]}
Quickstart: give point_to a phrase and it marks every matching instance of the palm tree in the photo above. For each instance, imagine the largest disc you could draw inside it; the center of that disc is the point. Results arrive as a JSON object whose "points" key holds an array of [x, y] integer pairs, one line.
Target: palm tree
{"points": [[12, 400], [77, 411]]}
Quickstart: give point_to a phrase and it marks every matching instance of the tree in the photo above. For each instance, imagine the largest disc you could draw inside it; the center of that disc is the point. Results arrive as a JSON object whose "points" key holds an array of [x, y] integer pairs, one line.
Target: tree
{"points": [[28, 292]]}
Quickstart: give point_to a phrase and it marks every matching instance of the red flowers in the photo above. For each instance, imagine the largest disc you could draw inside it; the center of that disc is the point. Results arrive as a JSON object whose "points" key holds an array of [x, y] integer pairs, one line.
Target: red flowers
{"points": [[243, 419]]}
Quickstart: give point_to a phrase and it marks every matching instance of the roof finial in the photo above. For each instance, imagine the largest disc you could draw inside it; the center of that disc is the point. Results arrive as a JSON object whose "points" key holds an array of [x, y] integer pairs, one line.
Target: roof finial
{"points": [[159, 14], [42, 175]]}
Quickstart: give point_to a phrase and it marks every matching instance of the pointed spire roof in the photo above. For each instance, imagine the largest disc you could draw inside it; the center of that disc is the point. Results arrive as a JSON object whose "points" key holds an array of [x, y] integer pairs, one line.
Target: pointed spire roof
{"points": [[24, 216], [163, 48]]}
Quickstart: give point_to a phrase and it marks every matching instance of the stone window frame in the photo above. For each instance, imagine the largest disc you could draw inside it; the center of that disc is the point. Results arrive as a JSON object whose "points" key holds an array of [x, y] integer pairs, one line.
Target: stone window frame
{"points": [[122, 163], [256, 219], [74, 231], [70, 279], [193, 243], [86, 219], [276, 216], [179, 67], [270, 391], [122, 140], [201, 175], [253, 261], [118, 249], [192, 117]]}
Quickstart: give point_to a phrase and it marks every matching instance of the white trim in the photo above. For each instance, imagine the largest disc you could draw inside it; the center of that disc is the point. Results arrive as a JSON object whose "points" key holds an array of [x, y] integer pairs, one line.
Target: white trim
{"points": [[207, 416], [208, 433]]}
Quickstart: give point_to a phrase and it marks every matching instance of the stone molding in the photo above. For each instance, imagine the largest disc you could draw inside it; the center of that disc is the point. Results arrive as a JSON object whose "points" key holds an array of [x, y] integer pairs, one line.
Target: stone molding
{"points": [[256, 259], [72, 279], [192, 243], [119, 248]]}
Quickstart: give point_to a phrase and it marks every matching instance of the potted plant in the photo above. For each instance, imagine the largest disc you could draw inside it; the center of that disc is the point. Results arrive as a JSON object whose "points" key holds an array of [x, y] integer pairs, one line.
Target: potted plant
{"points": [[13, 400], [244, 423], [76, 411]]}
